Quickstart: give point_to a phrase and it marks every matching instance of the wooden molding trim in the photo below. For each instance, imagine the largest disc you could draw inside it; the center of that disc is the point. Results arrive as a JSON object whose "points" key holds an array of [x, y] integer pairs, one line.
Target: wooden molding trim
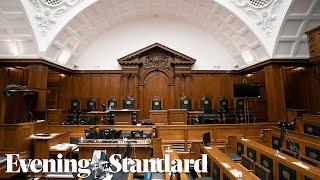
{"points": [[35, 62], [274, 62], [65, 70]]}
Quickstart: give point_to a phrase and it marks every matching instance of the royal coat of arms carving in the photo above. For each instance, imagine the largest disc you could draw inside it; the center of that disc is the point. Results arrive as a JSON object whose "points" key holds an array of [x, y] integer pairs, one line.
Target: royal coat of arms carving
{"points": [[157, 60]]}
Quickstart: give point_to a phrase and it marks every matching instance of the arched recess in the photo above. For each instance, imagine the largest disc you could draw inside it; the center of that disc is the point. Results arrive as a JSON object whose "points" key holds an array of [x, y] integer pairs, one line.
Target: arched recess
{"points": [[156, 83]]}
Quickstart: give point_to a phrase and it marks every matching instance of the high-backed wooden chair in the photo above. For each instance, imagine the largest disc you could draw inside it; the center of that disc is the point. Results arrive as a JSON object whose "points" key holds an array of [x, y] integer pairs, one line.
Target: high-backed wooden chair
{"points": [[91, 104], [129, 102], [156, 103], [185, 103], [112, 103], [75, 105]]}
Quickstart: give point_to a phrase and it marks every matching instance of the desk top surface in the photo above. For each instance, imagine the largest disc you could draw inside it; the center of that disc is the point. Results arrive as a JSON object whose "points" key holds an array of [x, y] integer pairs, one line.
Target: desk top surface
{"points": [[195, 112], [51, 136], [113, 110], [226, 162], [281, 157]]}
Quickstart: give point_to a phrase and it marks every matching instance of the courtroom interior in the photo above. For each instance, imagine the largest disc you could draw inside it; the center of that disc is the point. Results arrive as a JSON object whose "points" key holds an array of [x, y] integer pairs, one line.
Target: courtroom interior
{"points": [[237, 80]]}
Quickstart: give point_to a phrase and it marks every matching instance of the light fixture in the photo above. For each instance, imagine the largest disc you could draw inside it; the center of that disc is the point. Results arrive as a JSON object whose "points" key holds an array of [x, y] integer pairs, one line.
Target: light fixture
{"points": [[299, 69], [249, 75]]}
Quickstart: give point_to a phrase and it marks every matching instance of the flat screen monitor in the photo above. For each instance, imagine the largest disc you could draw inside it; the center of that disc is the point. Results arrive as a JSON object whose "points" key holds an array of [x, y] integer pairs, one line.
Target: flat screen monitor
{"points": [[136, 134], [246, 90], [206, 139], [90, 134]]}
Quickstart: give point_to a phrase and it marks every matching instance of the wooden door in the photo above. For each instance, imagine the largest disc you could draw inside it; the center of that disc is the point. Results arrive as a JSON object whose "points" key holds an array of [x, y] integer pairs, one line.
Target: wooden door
{"points": [[155, 84]]}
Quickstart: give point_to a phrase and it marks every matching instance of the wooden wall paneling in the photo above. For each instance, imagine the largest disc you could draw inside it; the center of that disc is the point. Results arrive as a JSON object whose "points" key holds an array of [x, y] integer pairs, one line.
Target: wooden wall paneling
{"points": [[125, 85], [105, 89], [275, 94], [97, 88], [86, 89], [76, 90], [215, 89], [18, 113], [313, 87], [296, 87], [3, 103], [115, 88], [188, 85], [65, 93], [37, 79], [200, 85]]}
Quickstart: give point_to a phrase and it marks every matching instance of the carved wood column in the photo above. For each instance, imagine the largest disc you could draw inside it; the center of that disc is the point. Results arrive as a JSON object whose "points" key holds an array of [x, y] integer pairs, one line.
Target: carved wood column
{"points": [[177, 93], [187, 84], [275, 94], [37, 79], [140, 101]]}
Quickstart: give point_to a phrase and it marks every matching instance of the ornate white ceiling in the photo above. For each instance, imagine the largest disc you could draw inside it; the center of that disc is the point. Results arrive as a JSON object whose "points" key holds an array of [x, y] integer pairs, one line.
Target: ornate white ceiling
{"points": [[302, 16], [250, 30]]}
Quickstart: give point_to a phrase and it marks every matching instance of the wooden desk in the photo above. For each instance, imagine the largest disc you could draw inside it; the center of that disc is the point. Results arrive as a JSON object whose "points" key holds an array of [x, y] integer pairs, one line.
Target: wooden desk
{"points": [[123, 116], [14, 137], [56, 116], [41, 145], [279, 158], [225, 164], [141, 150], [158, 116], [194, 115], [177, 116]]}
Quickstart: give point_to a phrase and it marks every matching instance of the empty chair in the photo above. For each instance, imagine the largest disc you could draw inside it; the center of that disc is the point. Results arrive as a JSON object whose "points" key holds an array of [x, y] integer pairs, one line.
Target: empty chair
{"points": [[206, 104], [262, 172], [185, 103], [129, 102], [91, 104], [247, 162], [224, 105], [112, 103], [75, 105], [156, 103]]}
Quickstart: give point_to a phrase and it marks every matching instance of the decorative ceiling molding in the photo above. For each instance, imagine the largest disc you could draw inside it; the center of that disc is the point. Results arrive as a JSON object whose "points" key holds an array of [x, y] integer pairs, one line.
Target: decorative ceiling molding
{"points": [[264, 12], [48, 12], [48, 17]]}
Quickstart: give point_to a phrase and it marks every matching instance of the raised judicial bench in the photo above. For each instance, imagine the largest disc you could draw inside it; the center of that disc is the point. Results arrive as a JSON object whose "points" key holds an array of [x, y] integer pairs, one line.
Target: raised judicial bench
{"points": [[308, 145], [220, 166], [121, 116], [281, 165]]}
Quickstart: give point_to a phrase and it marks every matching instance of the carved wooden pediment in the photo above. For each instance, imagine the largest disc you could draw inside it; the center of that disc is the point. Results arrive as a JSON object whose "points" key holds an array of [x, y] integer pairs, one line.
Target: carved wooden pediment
{"points": [[156, 56]]}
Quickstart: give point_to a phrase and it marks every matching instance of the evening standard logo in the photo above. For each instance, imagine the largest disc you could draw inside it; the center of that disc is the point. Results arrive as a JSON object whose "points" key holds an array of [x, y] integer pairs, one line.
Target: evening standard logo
{"points": [[114, 164]]}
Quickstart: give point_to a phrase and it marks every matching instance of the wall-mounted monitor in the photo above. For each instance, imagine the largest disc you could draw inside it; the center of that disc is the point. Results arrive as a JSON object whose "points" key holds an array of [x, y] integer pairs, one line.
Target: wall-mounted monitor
{"points": [[246, 90]]}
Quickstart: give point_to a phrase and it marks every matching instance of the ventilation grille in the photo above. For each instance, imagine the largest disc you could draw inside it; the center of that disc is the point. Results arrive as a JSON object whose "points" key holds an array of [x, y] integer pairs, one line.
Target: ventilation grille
{"points": [[52, 3], [260, 3]]}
